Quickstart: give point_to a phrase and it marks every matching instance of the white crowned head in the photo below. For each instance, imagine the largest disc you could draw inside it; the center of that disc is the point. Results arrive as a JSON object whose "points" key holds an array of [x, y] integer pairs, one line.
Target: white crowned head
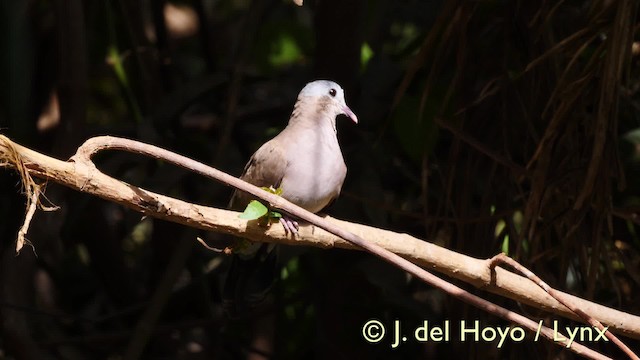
{"points": [[329, 96]]}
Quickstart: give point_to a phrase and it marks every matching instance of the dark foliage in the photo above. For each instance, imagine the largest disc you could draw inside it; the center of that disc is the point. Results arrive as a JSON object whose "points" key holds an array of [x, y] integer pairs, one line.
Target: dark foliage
{"points": [[486, 126]]}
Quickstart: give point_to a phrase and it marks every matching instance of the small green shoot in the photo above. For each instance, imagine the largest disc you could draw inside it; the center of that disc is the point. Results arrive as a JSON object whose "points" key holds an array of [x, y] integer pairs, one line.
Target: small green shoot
{"points": [[272, 190], [256, 210]]}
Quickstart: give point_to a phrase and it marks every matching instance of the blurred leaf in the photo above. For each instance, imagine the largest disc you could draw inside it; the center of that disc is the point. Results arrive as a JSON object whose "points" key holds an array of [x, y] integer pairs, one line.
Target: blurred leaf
{"points": [[115, 60], [281, 44], [366, 53], [291, 267], [632, 146], [406, 36], [505, 245], [284, 52], [500, 225], [518, 219], [633, 136]]}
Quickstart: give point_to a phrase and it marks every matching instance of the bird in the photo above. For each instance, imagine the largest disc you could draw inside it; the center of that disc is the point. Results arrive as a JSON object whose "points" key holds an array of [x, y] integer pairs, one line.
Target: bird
{"points": [[305, 161]]}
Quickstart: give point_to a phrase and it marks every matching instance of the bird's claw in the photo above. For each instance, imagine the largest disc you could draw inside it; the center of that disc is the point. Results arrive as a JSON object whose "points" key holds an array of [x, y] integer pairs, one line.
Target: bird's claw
{"points": [[290, 226]]}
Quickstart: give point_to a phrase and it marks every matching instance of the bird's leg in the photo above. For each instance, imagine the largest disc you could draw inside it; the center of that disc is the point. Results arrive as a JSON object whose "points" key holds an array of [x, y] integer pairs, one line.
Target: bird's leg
{"points": [[290, 226]]}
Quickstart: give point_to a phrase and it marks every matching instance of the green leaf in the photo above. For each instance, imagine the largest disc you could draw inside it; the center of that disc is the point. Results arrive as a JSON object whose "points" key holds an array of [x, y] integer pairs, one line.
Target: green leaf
{"points": [[505, 245], [275, 215], [254, 210]]}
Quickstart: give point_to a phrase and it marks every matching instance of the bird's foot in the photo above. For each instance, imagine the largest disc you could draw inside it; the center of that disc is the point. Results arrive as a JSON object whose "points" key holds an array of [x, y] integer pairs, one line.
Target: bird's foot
{"points": [[290, 226]]}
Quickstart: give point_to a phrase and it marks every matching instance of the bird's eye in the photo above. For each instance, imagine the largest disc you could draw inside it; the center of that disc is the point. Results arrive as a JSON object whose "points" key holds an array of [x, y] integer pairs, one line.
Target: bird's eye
{"points": [[332, 92]]}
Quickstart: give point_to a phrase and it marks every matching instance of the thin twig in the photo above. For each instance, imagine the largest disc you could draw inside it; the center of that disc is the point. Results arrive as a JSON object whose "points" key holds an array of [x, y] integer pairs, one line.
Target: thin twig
{"points": [[504, 259], [32, 205]]}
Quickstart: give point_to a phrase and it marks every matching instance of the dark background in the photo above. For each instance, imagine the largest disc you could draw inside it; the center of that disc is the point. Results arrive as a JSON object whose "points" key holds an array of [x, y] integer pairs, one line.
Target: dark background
{"points": [[485, 126]]}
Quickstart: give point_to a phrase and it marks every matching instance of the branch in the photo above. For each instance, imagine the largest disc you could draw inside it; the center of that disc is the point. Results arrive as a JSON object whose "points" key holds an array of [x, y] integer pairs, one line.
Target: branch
{"points": [[81, 174]]}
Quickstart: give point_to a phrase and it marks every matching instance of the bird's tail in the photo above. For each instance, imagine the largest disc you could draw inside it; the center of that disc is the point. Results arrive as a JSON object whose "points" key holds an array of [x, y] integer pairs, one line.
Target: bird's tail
{"points": [[249, 281]]}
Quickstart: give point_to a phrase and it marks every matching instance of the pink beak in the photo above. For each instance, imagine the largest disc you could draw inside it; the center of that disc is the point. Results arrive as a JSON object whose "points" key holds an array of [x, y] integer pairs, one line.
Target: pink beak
{"points": [[349, 113]]}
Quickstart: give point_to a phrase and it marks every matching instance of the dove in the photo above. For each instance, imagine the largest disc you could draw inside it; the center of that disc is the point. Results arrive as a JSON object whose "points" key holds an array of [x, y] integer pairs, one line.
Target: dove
{"points": [[305, 161]]}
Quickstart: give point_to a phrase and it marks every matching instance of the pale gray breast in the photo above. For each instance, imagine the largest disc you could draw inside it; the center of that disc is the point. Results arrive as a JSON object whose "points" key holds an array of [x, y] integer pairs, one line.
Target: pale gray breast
{"points": [[315, 168]]}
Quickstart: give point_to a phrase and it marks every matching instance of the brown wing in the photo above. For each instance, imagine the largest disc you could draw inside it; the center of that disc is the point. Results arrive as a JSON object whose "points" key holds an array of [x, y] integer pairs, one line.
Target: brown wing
{"points": [[265, 168]]}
